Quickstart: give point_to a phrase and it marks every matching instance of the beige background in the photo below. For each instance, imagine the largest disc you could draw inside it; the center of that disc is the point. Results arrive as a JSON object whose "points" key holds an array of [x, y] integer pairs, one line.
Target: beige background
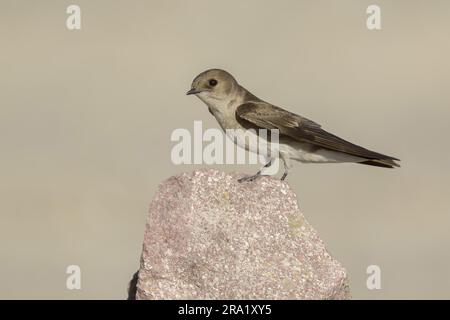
{"points": [[86, 117]]}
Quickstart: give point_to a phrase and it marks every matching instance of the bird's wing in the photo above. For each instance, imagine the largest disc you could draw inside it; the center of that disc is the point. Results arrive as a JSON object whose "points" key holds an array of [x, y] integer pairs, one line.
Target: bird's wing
{"points": [[264, 115]]}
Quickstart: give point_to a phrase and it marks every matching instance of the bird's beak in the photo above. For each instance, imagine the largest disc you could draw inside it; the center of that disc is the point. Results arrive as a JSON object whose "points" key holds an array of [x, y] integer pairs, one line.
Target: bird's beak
{"points": [[194, 91]]}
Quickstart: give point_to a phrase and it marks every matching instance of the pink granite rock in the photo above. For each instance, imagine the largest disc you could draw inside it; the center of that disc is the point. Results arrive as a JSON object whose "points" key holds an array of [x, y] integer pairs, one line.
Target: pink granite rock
{"points": [[210, 237]]}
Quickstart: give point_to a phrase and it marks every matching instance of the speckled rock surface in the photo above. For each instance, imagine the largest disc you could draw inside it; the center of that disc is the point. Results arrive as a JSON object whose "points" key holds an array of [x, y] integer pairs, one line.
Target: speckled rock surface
{"points": [[210, 237]]}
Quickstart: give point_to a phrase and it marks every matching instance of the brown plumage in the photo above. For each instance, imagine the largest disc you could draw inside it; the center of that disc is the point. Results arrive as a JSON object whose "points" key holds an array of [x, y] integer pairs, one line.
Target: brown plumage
{"points": [[261, 114], [300, 139]]}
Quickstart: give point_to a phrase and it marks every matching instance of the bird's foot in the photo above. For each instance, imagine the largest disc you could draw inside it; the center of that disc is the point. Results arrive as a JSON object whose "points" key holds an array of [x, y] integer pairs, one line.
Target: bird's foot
{"points": [[249, 178]]}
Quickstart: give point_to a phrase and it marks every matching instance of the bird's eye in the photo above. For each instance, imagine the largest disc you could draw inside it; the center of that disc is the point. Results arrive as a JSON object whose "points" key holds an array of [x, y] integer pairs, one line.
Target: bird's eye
{"points": [[213, 82]]}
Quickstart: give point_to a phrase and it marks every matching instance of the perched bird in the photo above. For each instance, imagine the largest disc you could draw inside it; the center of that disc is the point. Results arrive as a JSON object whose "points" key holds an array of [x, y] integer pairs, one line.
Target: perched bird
{"points": [[300, 139]]}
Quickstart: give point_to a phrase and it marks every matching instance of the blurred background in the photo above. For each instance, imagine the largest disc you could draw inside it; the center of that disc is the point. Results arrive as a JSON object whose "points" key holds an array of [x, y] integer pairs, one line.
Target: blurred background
{"points": [[86, 118]]}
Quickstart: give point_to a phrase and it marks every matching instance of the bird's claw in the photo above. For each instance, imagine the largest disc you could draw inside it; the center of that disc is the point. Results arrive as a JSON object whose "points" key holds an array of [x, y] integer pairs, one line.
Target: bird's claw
{"points": [[248, 179]]}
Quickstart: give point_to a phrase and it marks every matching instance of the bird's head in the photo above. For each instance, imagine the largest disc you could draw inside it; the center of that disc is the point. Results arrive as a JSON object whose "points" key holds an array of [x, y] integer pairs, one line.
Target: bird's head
{"points": [[213, 84]]}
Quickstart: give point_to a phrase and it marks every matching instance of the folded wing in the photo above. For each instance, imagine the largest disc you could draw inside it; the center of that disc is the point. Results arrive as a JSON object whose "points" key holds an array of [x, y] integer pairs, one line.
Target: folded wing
{"points": [[265, 115]]}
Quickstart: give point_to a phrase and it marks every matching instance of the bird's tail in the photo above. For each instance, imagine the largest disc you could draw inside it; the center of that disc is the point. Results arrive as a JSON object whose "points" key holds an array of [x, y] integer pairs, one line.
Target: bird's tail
{"points": [[384, 163]]}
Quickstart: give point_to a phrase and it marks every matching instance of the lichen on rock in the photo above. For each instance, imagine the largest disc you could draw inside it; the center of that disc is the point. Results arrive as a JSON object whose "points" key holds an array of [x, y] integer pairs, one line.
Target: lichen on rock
{"points": [[211, 237]]}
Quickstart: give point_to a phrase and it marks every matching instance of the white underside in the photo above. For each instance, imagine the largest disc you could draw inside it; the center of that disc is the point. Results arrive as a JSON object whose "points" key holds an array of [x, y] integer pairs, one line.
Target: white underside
{"points": [[318, 156], [302, 152], [295, 151]]}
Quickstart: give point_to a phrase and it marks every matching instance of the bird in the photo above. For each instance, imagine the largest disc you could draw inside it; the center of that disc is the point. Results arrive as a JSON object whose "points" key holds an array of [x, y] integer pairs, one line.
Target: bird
{"points": [[300, 139]]}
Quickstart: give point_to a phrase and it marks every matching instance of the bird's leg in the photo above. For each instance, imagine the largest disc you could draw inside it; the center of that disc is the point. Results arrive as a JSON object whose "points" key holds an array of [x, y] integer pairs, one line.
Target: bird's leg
{"points": [[286, 164], [257, 175]]}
